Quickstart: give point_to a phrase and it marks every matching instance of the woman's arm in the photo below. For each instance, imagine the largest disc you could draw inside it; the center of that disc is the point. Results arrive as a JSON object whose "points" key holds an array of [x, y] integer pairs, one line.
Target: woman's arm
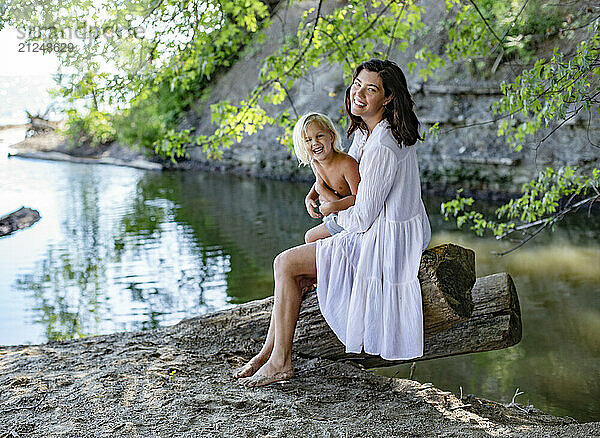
{"points": [[335, 206], [378, 172]]}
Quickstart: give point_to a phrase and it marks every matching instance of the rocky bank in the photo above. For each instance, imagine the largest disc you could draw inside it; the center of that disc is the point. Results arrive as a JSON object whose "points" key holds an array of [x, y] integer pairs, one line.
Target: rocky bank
{"points": [[468, 152]]}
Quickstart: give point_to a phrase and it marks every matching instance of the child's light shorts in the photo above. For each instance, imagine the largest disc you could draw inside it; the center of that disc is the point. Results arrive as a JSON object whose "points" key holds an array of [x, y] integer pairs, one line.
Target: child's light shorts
{"points": [[331, 224]]}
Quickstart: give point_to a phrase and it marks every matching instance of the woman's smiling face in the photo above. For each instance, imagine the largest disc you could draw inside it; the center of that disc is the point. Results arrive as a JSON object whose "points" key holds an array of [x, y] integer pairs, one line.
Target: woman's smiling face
{"points": [[367, 96]]}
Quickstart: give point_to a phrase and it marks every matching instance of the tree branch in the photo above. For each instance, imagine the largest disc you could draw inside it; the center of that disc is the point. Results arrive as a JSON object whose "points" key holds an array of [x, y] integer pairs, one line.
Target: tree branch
{"points": [[392, 37], [556, 128], [546, 223], [485, 21], [287, 94], [509, 27]]}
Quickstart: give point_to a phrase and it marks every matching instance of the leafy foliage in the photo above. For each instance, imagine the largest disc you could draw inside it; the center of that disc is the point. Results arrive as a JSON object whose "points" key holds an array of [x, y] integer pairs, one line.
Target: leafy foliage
{"points": [[164, 53], [543, 202], [148, 59], [93, 128], [508, 29], [554, 90]]}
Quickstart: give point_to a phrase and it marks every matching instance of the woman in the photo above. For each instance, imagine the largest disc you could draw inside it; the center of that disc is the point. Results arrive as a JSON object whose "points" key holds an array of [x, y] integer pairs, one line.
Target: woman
{"points": [[367, 283]]}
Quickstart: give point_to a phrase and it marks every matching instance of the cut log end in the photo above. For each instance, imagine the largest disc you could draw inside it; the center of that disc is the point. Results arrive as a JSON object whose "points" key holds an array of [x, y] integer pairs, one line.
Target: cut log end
{"points": [[447, 275]]}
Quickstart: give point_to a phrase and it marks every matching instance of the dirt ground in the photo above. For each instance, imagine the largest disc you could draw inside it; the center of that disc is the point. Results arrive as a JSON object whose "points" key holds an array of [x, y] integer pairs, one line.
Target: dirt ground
{"points": [[177, 381]]}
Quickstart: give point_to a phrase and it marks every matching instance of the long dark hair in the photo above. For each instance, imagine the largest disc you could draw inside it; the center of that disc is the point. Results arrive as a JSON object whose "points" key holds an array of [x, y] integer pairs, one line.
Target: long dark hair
{"points": [[398, 112]]}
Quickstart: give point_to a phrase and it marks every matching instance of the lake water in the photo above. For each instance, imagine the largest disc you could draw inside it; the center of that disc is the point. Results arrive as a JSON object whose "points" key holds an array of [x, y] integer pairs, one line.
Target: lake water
{"points": [[124, 249]]}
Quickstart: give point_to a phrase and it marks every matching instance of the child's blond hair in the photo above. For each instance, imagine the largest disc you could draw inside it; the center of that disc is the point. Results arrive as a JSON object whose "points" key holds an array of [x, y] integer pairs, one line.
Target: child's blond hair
{"points": [[301, 149]]}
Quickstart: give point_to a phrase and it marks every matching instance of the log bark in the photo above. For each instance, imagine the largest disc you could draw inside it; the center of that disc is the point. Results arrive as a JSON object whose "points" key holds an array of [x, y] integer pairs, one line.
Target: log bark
{"points": [[494, 324], [17, 220]]}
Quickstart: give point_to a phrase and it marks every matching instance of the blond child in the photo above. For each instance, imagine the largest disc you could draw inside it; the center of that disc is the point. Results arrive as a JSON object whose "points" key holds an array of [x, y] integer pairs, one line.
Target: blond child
{"points": [[317, 142]]}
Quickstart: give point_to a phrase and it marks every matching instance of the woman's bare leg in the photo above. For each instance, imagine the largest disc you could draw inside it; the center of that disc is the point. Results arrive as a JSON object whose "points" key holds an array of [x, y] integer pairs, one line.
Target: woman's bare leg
{"points": [[289, 267], [258, 361]]}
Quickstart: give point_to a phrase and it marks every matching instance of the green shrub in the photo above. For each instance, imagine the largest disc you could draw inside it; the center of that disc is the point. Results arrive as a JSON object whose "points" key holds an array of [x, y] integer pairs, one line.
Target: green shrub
{"points": [[93, 129]]}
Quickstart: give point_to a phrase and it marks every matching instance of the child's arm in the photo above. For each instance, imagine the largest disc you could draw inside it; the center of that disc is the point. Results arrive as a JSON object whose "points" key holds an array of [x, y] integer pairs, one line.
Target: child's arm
{"points": [[311, 202], [352, 177], [324, 192]]}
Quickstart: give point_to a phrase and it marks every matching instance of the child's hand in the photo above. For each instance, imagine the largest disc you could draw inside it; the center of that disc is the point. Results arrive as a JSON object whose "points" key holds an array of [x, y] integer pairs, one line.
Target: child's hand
{"points": [[310, 207], [326, 208]]}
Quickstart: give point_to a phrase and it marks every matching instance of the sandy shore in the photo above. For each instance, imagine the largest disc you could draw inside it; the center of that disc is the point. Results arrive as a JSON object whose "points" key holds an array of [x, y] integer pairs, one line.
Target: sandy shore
{"points": [[177, 381]]}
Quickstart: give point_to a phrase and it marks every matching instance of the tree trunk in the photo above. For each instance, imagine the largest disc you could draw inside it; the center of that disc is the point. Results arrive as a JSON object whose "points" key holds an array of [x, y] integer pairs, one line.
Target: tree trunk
{"points": [[17, 220]]}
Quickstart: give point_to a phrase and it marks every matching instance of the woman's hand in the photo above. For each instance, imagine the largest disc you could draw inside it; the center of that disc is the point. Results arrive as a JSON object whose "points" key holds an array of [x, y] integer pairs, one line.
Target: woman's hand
{"points": [[327, 208], [311, 205]]}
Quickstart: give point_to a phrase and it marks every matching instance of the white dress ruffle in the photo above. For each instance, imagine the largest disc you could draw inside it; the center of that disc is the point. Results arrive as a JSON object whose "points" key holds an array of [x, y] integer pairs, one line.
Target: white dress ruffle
{"points": [[367, 283]]}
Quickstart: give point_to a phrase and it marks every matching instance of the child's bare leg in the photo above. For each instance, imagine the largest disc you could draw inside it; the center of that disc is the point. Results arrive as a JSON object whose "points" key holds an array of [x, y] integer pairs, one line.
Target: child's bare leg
{"points": [[316, 233]]}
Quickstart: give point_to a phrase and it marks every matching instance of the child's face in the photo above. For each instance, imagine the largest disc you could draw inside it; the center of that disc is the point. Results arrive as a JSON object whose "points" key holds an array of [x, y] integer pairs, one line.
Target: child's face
{"points": [[319, 141]]}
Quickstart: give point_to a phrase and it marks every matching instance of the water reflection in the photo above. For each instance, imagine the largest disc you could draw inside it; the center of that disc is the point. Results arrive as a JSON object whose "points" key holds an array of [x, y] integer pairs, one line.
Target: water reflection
{"points": [[123, 249], [166, 247], [557, 363]]}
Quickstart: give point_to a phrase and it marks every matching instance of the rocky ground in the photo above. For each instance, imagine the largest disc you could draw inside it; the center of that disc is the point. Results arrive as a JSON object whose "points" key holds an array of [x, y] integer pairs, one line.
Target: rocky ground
{"points": [[53, 146], [177, 381]]}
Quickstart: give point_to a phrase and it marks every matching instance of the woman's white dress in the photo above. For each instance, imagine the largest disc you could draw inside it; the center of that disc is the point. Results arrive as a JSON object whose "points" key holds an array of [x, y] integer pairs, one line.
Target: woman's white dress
{"points": [[367, 283]]}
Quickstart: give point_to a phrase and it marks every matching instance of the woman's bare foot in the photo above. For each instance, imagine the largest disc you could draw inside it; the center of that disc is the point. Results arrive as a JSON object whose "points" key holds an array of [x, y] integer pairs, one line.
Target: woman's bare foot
{"points": [[268, 374], [251, 367]]}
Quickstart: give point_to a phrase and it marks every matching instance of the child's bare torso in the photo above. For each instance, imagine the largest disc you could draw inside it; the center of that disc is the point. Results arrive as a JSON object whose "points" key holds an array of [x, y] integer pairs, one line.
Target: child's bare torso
{"points": [[332, 175]]}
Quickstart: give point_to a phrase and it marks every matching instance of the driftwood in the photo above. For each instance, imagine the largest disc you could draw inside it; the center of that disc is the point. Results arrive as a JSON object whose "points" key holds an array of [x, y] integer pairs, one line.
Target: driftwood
{"points": [[17, 220], [483, 318], [39, 124]]}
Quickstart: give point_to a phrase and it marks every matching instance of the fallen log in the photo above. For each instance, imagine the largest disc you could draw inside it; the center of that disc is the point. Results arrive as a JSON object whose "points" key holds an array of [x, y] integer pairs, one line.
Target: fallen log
{"points": [[39, 124], [494, 323], [17, 220]]}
